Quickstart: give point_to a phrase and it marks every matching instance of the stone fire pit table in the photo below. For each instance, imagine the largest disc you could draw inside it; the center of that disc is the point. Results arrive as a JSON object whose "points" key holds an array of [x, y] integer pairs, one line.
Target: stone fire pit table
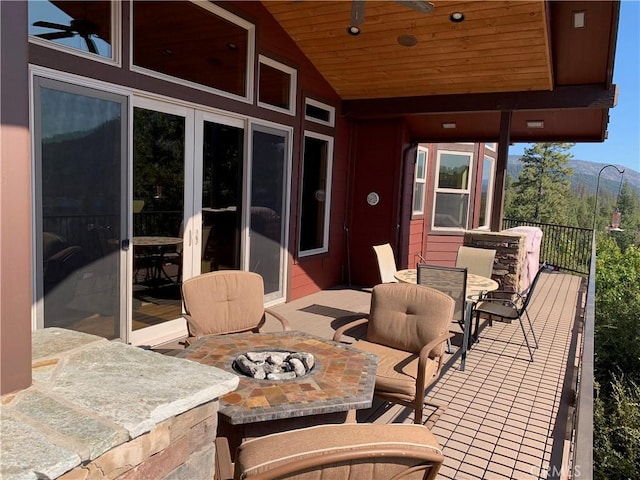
{"points": [[342, 380]]}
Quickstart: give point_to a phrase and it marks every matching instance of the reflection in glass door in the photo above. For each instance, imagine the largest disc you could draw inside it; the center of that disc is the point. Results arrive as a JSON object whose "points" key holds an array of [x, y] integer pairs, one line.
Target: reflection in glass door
{"points": [[80, 145], [222, 160], [268, 219], [158, 213]]}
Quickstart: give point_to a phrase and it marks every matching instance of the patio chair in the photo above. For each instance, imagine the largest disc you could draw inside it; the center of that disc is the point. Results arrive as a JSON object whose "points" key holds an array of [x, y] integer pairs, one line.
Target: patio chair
{"points": [[509, 309], [407, 329], [386, 263], [336, 452], [478, 261], [226, 301], [453, 282]]}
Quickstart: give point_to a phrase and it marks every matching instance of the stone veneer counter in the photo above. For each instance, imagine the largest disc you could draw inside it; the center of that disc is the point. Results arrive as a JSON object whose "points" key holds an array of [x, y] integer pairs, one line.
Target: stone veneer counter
{"points": [[90, 395]]}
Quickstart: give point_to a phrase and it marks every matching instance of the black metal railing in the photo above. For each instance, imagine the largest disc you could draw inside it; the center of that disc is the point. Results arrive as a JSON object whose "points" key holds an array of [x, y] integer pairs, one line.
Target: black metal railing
{"points": [[566, 248], [582, 458]]}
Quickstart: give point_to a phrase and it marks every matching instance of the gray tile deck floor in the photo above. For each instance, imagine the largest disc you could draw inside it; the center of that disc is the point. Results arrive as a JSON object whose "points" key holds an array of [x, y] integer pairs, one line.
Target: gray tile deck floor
{"points": [[506, 416]]}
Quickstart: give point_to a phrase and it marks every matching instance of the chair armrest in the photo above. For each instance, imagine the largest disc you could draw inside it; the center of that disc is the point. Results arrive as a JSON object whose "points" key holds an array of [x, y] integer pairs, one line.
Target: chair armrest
{"points": [[283, 321], [426, 350], [224, 465], [424, 356], [340, 331]]}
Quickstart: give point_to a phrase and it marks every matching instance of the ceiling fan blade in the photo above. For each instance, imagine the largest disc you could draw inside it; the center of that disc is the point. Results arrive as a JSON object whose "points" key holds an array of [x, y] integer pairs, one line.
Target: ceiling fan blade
{"points": [[55, 35], [357, 12], [57, 26], [421, 6], [91, 45]]}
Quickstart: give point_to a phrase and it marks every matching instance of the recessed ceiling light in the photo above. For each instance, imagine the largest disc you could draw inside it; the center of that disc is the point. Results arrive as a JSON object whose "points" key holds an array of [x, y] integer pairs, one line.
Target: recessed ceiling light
{"points": [[457, 17], [535, 124], [353, 30], [407, 40], [449, 125], [578, 19]]}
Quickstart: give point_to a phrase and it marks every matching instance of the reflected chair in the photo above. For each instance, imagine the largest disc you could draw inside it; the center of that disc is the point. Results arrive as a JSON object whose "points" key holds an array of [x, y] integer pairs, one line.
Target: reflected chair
{"points": [[498, 308], [226, 301], [478, 261], [386, 263], [451, 281], [335, 452], [407, 329]]}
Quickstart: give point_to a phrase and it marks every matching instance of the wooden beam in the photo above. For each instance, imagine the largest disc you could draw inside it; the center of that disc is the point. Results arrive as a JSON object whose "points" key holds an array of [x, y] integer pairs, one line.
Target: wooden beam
{"points": [[570, 97], [497, 206]]}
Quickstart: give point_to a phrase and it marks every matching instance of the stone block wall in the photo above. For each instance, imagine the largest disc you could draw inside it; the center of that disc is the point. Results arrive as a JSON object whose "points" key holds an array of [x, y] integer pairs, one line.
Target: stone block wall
{"points": [[178, 448], [510, 249]]}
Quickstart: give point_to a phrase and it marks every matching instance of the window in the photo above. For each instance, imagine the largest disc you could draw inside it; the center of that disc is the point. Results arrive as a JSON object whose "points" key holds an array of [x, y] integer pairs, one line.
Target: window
{"points": [[315, 196], [490, 146], [420, 181], [89, 28], [277, 85], [197, 44], [451, 206], [319, 112], [486, 192]]}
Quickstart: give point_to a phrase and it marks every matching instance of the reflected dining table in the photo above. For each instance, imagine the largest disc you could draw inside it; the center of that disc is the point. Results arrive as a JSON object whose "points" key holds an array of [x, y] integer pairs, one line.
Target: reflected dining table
{"points": [[154, 248], [476, 285]]}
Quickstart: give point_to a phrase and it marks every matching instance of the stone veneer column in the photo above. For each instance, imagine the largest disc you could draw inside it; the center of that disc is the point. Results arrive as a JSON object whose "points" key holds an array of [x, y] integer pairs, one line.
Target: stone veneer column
{"points": [[510, 256]]}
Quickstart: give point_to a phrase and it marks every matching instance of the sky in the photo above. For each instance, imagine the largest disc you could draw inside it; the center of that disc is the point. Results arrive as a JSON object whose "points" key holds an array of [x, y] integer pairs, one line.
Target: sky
{"points": [[622, 147]]}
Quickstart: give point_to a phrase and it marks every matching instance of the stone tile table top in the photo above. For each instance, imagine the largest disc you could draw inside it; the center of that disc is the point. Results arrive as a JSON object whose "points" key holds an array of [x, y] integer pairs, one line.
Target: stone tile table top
{"points": [[90, 395], [342, 379]]}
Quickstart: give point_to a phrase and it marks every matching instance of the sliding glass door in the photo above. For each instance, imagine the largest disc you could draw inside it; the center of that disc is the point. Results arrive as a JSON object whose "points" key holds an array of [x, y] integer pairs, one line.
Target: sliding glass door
{"points": [[219, 172], [160, 207], [80, 139], [121, 223], [269, 207]]}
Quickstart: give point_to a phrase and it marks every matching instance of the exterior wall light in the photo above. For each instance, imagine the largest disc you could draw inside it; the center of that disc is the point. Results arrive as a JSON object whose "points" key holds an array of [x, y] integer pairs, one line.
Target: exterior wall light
{"points": [[449, 125], [535, 124], [353, 30], [457, 17]]}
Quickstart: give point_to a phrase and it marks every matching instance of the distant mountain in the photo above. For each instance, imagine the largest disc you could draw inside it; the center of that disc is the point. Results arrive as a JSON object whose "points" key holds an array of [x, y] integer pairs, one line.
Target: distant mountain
{"points": [[585, 175]]}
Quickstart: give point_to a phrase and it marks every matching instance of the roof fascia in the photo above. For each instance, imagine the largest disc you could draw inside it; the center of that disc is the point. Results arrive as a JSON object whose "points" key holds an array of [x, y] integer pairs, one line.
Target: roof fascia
{"points": [[565, 97]]}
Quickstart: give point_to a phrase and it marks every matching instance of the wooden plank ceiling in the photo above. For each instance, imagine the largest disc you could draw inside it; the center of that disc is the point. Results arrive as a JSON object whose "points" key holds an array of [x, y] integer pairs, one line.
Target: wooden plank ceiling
{"points": [[499, 47]]}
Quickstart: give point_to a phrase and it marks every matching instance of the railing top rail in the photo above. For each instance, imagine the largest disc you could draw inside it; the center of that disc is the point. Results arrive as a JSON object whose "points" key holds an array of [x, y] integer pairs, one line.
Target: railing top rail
{"points": [[528, 222]]}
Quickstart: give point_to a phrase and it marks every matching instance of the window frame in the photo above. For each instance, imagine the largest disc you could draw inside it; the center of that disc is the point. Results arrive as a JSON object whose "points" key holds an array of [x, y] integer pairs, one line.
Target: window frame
{"points": [[437, 189], [422, 181], [331, 110], [491, 146], [293, 85], [327, 201], [116, 41], [490, 186], [249, 64]]}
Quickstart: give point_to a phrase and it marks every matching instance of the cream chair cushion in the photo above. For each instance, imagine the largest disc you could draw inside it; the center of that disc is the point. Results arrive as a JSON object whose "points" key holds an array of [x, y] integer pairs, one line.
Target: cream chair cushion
{"points": [[226, 301], [324, 445]]}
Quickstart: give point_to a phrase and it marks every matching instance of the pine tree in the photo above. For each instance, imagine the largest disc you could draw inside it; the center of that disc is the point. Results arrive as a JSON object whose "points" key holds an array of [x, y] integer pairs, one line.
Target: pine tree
{"points": [[542, 191]]}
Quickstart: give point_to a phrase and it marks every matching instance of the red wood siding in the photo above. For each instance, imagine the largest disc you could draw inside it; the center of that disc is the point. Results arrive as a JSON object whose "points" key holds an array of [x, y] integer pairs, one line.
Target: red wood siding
{"points": [[377, 168]]}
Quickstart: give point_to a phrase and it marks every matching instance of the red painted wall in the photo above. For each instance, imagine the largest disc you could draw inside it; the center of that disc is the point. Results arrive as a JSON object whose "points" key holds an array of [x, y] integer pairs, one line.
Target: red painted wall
{"points": [[377, 167]]}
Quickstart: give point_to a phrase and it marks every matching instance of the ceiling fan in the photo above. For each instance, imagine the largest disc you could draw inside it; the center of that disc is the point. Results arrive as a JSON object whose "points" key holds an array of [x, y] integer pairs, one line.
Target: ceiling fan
{"points": [[357, 11], [82, 28]]}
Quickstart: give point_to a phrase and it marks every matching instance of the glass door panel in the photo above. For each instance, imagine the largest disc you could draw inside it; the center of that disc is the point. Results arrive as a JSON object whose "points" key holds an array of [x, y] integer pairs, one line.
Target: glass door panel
{"points": [[223, 153], [267, 216], [80, 145], [158, 216]]}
